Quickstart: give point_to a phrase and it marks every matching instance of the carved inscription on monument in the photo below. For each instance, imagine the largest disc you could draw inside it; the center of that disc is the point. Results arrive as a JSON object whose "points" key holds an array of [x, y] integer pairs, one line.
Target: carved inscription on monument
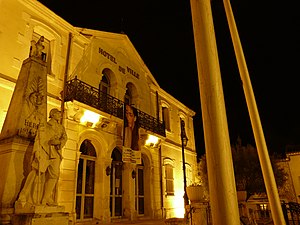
{"points": [[34, 107]]}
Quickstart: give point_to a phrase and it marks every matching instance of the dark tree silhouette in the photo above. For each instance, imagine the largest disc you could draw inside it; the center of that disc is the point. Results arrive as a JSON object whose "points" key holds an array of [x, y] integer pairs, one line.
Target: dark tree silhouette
{"points": [[247, 169]]}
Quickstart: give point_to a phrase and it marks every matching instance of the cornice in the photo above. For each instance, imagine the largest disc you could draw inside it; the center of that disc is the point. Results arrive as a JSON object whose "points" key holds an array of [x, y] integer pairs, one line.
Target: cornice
{"points": [[47, 15]]}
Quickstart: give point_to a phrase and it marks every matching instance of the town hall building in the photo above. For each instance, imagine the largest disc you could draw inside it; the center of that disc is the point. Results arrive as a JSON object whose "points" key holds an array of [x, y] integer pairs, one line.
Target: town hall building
{"points": [[91, 77]]}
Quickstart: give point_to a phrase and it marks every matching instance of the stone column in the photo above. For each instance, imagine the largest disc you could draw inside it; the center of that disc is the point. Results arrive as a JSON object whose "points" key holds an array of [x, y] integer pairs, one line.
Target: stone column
{"points": [[105, 199], [129, 191]]}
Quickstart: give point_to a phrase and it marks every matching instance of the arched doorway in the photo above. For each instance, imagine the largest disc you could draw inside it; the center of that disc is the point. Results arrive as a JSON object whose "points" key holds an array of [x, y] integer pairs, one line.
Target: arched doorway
{"points": [[86, 181], [116, 208]]}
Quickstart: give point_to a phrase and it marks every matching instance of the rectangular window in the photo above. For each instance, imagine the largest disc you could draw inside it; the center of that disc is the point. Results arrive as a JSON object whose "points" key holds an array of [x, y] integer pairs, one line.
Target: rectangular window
{"points": [[263, 211], [166, 118], [189, 175], [169, 179]]}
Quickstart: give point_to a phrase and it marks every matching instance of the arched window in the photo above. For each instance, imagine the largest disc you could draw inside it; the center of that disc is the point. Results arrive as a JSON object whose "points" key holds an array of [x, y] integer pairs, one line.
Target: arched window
{"points": [[104, 83], [131, 95], [104, 90], [127, 97], [85, 181]]}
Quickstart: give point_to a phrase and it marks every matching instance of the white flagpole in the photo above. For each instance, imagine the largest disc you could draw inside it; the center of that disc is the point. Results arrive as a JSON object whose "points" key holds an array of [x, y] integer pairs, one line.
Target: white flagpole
{"points": [[222, 188], [263, 154]]}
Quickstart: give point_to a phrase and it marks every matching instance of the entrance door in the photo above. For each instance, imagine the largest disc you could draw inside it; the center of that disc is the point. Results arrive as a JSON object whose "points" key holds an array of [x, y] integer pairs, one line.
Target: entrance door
{"points": [[85, 182], [116, 185], [139, 191]]}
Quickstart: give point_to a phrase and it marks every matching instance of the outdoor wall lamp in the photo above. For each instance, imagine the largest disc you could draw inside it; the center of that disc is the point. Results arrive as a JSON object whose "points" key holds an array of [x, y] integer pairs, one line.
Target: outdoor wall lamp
{"points": [[133, 174], [89, 118], [108, 171]]}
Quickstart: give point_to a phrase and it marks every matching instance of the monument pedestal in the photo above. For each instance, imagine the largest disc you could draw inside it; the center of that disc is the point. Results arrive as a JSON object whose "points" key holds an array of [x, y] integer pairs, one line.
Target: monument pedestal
{"points": [[27, 214], [13, 170], [199, 213]]}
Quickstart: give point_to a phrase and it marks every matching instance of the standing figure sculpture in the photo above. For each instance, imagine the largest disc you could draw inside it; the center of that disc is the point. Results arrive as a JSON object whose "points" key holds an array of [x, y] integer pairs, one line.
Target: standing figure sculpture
{"points": [[46, 159], [36, 48]]}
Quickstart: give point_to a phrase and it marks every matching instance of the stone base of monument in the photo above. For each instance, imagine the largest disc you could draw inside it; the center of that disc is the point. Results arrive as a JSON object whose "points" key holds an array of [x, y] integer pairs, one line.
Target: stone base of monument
{"points": [[199, 212], [27, 214]]}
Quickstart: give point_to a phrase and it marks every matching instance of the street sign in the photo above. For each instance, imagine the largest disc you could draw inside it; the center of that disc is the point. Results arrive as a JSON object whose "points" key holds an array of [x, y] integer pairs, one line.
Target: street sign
{"points": [[131, 156]]}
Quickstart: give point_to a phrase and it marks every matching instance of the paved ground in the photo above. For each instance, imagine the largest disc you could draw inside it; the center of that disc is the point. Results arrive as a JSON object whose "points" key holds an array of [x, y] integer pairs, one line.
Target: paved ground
{"points": [[141, 222], [171, 221]]}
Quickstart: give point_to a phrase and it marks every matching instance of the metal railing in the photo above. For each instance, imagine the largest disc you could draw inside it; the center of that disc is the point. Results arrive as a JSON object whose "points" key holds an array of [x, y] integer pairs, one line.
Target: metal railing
{"points": [[89, 95], [291, 212]]}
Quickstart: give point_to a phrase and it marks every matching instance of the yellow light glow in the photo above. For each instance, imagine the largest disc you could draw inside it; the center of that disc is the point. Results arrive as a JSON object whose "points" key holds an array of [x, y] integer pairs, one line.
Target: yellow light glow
{"points": [[89, 117], [152, 140], [263, 207], [177, 201], [177, 204], [179, 212]]}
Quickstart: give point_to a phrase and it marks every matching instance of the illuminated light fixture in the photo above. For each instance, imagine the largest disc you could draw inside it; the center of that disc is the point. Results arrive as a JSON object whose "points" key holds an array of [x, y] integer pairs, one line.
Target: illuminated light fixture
{"points": [[89, 118], [151, 140], [263, 207]]}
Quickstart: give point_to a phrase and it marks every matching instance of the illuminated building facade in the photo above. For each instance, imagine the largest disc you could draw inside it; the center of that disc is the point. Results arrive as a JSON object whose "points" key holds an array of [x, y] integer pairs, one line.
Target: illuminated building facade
{"points": [[91, 75]]}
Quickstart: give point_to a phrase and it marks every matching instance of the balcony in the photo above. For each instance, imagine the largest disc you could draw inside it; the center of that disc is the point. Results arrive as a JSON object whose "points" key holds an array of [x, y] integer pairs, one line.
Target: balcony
{"points": [[89, 95]]}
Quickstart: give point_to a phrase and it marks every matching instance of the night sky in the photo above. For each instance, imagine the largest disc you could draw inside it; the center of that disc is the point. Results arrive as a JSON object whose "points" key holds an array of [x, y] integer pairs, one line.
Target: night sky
{"points": [[161, 32]]}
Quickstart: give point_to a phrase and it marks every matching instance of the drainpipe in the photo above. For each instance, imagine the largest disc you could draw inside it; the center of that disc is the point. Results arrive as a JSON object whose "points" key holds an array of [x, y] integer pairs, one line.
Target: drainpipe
{"points": [[161, 183], [65, 77], [157, 106]]}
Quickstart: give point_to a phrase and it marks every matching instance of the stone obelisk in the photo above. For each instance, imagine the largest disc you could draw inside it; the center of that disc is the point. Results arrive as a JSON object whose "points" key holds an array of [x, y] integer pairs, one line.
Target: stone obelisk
{"points": [[28, 105], [27, 111]]}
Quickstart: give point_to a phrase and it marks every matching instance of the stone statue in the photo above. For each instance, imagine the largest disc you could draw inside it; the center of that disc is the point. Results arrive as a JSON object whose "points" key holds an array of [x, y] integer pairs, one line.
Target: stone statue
{"points": [[46, 159], [36, 48]]}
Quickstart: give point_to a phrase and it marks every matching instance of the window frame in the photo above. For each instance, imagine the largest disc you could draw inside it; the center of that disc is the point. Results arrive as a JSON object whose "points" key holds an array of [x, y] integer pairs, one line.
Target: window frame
{"points": [[86, 157], [169, 180], [166, 117]]}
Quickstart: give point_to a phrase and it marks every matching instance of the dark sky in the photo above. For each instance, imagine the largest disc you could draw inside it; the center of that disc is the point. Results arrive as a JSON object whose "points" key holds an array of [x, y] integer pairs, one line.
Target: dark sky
{"points": [[161, 31]]}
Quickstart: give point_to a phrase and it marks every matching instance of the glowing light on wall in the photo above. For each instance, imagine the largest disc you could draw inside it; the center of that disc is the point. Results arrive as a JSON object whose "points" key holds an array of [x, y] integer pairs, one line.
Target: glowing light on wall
{"points": [[90, 118], [151, 140], [177, 201], [178, 206]]}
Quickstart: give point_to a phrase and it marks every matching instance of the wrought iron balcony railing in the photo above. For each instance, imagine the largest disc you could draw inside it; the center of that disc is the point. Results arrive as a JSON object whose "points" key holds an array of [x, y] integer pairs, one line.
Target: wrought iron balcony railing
{"points": [[87, 94]]}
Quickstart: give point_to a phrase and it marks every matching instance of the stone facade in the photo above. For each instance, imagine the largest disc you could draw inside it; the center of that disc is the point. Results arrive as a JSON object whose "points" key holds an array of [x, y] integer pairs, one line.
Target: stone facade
{"points": [[95, 184]]}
